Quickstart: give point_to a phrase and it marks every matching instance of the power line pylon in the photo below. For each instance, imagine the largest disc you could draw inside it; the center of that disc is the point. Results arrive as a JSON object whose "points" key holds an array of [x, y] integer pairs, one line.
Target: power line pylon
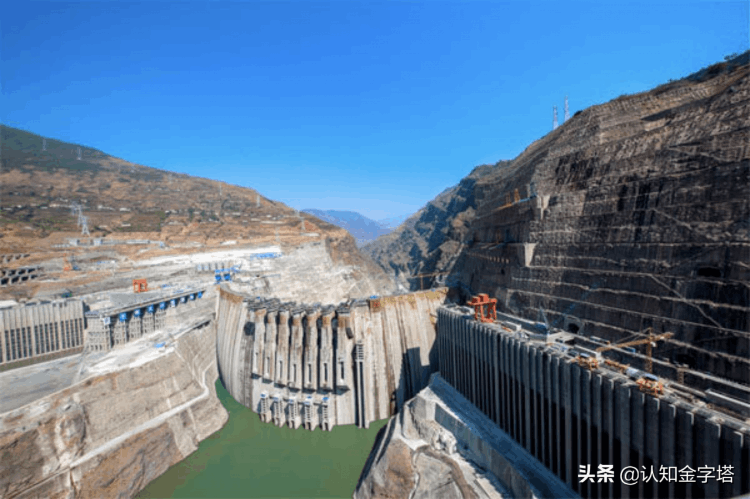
{"points": [[554, 117], [567, 111], [85, 226]]}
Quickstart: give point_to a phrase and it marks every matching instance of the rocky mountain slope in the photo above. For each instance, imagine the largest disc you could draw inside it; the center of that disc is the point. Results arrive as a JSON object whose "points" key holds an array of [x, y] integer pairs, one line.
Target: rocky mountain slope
{"points": [[632, 214], [362, 228], [431, 239], [41, 177]]}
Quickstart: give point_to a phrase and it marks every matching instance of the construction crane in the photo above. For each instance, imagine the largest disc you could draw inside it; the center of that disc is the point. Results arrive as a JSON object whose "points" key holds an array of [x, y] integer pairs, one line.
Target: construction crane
{"points": [[482, 314], [433, 274], [650, 342]]}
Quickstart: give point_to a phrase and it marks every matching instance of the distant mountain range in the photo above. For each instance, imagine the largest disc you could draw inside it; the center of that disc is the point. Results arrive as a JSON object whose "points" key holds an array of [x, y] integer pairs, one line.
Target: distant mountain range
{"points": [[393, 222], [362, 228]]}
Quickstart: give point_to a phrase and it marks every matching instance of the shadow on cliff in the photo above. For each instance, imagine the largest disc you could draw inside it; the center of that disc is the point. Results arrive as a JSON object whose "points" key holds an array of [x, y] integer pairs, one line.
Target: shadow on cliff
{"points": [[414, 376]]}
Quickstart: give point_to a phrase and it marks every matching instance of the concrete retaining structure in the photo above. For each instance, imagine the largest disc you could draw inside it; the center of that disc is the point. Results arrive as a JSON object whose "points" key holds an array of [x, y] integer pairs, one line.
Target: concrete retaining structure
{"points": [[325, 366], [36, 330], [9, 277], [567, 416]]}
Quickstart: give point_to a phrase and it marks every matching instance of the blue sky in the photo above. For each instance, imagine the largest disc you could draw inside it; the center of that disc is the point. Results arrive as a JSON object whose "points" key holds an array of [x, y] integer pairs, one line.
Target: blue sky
{"points": [[368, 106]]}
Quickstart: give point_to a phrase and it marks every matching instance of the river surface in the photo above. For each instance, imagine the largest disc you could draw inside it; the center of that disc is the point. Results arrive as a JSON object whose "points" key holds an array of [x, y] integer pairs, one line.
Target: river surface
{"points": [[251, 459]]}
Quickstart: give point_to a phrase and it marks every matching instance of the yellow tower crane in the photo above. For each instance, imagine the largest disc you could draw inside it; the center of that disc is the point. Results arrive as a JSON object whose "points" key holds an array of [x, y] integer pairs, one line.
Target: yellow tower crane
{"points": [[650, 342]]}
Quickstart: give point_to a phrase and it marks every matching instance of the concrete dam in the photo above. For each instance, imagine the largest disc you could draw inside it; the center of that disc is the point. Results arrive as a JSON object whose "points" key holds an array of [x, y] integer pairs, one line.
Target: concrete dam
{"points": [[320, 366], [313, 365]]}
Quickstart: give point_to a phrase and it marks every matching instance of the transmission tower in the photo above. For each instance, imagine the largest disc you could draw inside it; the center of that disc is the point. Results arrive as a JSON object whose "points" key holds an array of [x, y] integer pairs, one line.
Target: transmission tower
{"points": [[85, 226], [79, 153], [554, 117], [567, 111], [44, 144]]}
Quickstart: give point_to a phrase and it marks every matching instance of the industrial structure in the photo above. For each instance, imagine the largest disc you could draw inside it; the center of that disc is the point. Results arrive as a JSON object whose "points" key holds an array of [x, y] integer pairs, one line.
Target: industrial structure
{"points": [[567, 413], [38, 330], [127, 320]]}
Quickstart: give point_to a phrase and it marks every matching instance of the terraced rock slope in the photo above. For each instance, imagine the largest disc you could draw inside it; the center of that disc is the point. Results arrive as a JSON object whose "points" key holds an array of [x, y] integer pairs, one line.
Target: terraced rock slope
{"points": [[633, 214]]}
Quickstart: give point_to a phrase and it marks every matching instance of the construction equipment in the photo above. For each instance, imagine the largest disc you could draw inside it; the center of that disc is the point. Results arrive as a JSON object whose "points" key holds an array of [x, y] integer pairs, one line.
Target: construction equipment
{"points": [[650, 384], [616, 365], [480, 313], [587, 361], [140, 285], [70, 264], [422, 276], [647, 383], [650, 342]]}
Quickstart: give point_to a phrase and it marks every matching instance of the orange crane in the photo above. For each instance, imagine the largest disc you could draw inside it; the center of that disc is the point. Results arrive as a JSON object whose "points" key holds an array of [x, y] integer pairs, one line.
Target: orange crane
{"points": [[650, 342], [482, 314]]}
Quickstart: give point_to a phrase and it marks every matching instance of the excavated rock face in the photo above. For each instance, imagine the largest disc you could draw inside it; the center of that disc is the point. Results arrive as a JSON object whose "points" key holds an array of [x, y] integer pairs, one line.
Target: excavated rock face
{"points": [[440, 445], [633, 214], [113, 433]]}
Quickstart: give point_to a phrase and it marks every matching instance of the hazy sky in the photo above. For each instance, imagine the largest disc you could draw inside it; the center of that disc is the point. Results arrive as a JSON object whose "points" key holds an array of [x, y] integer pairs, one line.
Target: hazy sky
{"points": [[368, 106]]}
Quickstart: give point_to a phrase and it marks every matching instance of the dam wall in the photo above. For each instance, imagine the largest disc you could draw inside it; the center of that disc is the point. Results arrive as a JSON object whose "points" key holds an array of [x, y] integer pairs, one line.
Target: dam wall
{"points": [[119, 428], [313, 365], [567, 416]]}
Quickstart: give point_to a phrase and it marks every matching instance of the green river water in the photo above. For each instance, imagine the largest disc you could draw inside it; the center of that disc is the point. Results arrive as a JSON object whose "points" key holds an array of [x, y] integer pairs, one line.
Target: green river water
{"points": [[248, 458]]}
